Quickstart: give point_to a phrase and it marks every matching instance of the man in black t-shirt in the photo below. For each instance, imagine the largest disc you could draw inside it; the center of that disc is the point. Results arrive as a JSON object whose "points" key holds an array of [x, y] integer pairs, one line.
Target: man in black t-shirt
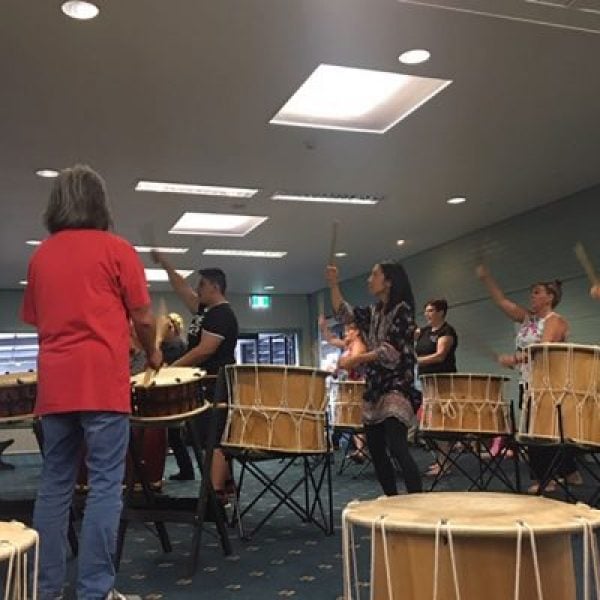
{"points": [[212, 337]]}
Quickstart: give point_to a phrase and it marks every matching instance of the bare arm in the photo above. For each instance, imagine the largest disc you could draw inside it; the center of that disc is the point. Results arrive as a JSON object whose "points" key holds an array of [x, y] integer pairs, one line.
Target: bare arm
{"points": [[331, 339], [205, 349], [555, 329], [443, 347], [180, 286], [595, 291], [511, 309], [331, 276], [145, 329]]}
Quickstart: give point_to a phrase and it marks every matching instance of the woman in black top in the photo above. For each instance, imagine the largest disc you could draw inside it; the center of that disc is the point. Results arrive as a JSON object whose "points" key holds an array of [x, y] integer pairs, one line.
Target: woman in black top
{"points": [[436, 353]]}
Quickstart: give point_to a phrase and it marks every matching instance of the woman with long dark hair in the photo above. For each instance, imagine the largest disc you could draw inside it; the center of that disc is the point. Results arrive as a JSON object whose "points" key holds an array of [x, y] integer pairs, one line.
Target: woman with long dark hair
{"points": [[388, 327]]}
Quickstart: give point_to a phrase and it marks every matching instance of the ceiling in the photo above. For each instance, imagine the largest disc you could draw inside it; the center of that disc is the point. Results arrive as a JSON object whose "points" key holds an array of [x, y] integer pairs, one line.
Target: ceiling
{"points": [[183, 91]]}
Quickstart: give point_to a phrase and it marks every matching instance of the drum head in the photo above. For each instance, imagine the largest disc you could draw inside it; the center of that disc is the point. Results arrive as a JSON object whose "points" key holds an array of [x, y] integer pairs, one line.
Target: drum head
{"points": [[473, 514], [169, 376], [18, 537]]}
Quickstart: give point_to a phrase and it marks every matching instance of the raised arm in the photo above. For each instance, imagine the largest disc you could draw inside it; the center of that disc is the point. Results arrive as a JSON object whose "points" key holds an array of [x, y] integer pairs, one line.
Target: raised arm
{"points": [[511, 309], [331, 339], [183, 289], [331, 276]]}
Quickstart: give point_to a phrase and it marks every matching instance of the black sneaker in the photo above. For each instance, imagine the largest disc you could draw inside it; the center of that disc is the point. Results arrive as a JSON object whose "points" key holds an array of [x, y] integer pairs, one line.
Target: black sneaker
{"points": [[182, 477]]}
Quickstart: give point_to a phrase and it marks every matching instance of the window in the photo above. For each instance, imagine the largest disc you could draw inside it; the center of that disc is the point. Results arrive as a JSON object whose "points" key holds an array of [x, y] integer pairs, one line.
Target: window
{"points": [[18, 352]]}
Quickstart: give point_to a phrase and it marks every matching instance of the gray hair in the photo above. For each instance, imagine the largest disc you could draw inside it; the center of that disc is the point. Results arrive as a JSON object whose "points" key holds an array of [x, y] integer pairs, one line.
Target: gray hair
{"points": [[78, 201]]}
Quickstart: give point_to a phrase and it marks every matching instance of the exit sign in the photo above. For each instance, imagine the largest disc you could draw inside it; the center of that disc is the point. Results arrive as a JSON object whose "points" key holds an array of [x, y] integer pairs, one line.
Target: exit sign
{"points": [[260, 302]]}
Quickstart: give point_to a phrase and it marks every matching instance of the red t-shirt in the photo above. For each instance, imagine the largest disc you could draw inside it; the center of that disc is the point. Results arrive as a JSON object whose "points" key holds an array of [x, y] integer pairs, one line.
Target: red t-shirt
{"points": [[81, 285]]}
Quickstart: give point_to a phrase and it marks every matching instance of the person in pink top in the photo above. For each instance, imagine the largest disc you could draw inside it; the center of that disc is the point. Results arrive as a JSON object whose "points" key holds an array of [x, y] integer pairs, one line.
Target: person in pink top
{"points": [[83, 285]]}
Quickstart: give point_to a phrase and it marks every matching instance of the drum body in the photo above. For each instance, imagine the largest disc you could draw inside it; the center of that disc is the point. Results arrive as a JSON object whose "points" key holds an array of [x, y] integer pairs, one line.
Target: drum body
{"points": [[465, 402], [565, 376], [276, 408], [346, 404], [17, 395], [171, 391], [468, 545], [16, 541]]}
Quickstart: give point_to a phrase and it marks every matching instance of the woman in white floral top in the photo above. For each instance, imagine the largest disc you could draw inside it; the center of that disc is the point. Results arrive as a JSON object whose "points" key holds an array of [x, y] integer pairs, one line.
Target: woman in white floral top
{"points": [[538, 323], [388, 329]]}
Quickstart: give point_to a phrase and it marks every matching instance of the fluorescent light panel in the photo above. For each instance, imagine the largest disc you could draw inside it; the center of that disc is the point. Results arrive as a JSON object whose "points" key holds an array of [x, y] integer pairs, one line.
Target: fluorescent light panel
{"points": [[162, 250], [161, 274], [216, 224], [456, 200], [190, 188], [353, 99], [48, 173], [245, 253], [326, 199], [33, 242]]}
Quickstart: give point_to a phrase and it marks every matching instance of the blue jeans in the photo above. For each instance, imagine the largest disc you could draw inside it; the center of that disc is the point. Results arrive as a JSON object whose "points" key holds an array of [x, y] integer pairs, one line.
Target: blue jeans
{"points": [[106, 435]]}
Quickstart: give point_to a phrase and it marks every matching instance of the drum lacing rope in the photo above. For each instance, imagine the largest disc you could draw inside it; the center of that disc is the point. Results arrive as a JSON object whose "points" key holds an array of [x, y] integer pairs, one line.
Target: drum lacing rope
{"points": [[386, 556], [590, 544], [9, 570], [17, 566], [521, 526], [349, 557], [436, 560]]}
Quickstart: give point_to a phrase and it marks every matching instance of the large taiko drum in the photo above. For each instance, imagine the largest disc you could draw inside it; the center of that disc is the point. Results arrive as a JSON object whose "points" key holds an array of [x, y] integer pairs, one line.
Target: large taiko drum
{"points": [[17, 396], [16, 542], [158, 399], [565, 376], [171, 392], [466, 403], [471, 546], [276, 408], [346, 404]]}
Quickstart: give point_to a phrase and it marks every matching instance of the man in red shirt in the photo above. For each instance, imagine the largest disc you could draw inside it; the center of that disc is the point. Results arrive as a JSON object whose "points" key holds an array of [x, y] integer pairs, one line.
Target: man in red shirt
{"points": [[83, 285]]}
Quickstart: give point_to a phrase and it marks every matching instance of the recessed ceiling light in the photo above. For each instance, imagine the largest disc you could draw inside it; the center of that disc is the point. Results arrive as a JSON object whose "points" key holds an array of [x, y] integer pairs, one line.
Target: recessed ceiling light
{"points": [[190, 188], [78, 9], [46, 173], [457, 200], [216, 224], [326, 199], [245, 253], [161, 274], [269, 288], [352, 99], [341, 254], [414, 57], [162, 250], [33, 242], [400, 242]]}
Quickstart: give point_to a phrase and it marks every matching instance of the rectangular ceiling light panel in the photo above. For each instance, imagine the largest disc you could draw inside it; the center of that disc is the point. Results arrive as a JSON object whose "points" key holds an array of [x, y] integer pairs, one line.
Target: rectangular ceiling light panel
{"points": [[353, 99], [190, 188], [368, 200], [245, 253], [216, 224], [161, 274]]}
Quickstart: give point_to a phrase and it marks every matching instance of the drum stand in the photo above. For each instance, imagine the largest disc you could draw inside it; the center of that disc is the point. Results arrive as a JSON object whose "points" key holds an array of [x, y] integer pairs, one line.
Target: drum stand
{"points": [[477, 445], [315, 474], [159, 509], [348, 433], [561, 450]]}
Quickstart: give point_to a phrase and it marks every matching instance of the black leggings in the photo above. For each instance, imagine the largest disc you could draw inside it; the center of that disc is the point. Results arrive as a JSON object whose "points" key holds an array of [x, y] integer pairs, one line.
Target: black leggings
{"points": [[391, 436]]}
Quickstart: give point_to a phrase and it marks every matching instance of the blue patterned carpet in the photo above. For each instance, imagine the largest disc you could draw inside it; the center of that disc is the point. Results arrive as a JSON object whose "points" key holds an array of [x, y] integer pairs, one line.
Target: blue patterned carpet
{"points": [[286, 559]]}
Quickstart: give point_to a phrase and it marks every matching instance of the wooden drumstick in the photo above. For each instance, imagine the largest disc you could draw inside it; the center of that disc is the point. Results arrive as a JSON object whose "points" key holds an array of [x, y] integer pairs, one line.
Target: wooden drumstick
{"points": [[586, 263], [148, 376], [334, 234]]}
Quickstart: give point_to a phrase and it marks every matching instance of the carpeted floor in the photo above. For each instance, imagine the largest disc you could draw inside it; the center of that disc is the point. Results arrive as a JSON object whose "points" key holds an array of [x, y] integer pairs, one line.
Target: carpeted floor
{"points": [[286, 558]]}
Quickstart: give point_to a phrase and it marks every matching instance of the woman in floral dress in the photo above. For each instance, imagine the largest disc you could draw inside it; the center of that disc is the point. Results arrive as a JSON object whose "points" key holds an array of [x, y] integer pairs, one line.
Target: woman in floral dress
{"points": [[388, 328]]}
